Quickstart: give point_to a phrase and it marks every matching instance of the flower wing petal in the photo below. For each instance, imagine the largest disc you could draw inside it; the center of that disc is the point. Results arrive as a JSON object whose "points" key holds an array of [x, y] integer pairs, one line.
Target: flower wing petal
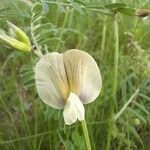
{"points": [[83, 75], [73, 109], [51, 80]]}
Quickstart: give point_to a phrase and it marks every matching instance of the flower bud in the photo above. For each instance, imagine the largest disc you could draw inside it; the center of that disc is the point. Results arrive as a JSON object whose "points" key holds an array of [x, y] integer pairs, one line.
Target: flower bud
{"points": [[14, 43], [19, 41], [19, 34]]}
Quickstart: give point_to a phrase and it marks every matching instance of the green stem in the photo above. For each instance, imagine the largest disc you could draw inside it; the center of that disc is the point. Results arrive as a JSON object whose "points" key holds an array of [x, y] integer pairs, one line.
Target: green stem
{"points": [[86, 135], [103, 38], [37, 51], [126, 105], [63, 26], [113, 100], [116, 57]]}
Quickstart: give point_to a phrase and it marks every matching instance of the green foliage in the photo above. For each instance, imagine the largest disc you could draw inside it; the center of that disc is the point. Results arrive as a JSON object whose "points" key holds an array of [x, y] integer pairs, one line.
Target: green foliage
{"points": [[27, 123], [27, 75]]}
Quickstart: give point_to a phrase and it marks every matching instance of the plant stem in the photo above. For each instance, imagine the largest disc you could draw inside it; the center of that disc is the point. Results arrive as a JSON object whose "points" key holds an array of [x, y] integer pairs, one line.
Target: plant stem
{"points": [[103, 38], [113, 100], [86, 135], [116, 57], [126, 105], [63, 26], [37, 51]]}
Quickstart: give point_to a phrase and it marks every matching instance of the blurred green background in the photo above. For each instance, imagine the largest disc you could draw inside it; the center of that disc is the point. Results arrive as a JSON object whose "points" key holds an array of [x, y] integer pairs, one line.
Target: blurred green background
{"points": [[58, 25]]}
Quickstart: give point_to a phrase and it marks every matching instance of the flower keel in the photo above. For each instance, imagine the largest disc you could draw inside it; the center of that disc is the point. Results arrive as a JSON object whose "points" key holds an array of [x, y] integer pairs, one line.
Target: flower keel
{"points": [[73, 109]]}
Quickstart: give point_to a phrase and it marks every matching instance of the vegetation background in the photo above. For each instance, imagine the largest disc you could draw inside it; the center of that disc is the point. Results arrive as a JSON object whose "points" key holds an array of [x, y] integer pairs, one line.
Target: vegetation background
{"points": [[95, 26]]}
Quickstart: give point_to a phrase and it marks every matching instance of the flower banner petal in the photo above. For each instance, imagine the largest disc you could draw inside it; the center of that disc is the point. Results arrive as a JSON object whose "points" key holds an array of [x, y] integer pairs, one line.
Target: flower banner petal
{"points": [[83, 75]]}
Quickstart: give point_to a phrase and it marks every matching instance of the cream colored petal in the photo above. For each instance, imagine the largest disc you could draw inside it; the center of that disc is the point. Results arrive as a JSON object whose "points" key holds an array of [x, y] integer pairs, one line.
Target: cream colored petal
{"points": [[51, 80], [83, 75], [73, 110]]}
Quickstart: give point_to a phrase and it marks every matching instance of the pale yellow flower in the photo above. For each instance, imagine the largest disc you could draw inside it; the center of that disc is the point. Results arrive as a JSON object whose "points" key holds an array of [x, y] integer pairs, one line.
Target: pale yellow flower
{"points": [[67, 81]]}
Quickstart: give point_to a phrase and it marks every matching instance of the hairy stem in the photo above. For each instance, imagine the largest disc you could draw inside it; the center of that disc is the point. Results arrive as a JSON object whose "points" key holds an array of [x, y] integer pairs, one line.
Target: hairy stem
{"points": [[37, 50]]}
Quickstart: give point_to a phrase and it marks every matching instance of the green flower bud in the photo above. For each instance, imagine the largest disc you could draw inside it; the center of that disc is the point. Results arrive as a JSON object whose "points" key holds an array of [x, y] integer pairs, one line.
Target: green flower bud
{"points": [[19, 41], [14, 43], [19, 34]]}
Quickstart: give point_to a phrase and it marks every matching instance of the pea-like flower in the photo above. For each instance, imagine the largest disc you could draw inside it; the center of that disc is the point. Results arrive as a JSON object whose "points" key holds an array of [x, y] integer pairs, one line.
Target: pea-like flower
{"points": [[67, 81]]}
